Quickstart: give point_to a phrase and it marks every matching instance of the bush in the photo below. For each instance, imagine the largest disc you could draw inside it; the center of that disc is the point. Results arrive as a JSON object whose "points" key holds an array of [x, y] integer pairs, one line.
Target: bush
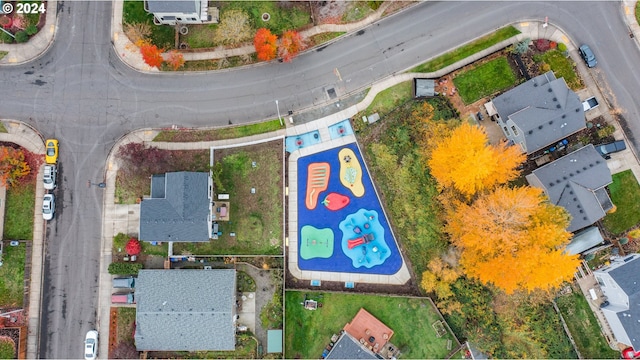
{"points": [[120, 240], [31, 30], [521, 47], [374, 5], [5, 38], [553, 44], [544, 67], [606, 131], [22, 37], [124, 268], [538, 58], [542, 45], [562, 47]]}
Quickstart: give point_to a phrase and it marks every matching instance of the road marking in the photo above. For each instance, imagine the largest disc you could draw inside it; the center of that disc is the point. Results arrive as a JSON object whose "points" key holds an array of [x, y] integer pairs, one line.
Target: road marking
{"points": [[627, 10], [13, 59], [524, 24], [564, 39], [52, 29], [335, 71], [115, 36]]}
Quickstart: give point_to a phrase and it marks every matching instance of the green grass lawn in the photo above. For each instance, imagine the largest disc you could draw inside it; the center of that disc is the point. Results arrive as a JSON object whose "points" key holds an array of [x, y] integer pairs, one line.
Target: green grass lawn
{"points": [[625, 194], [638, 12], [390, 98], [2, 128], [256, 219], [218, 134], [2, 55], [322, 38], [563, 67], [19, 208], [162, 36], [12, 275], [126, 324], [467, 50], [484, 80], [584, 327], [308, 332], [283, 16]]}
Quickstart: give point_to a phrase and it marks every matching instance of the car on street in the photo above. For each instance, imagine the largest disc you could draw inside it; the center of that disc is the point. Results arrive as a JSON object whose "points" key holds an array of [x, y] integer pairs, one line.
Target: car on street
{"points": [[588, 56], [607, 149], [91, 345], [51, 155], [49, 177], [48, 206]]}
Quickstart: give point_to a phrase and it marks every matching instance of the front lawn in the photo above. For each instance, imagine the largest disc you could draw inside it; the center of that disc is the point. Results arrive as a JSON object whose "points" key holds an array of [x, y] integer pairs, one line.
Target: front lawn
{"points": [[484, 80], [12, 275], [390, 98], [283, 15], [584, 326], [564, 67], [308, 332], [255, 218], [162, 36], [19, 209], [625, 194]]}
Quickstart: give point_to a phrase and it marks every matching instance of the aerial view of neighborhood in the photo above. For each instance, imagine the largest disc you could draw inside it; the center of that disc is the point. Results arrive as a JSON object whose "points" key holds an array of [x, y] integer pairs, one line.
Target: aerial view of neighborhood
{"points": [[201, 179]]}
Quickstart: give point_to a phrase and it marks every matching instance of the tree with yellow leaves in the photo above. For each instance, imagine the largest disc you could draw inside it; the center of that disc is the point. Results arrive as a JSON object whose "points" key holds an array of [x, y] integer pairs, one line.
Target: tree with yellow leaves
{"points": [[514, 239], [465, 161]]}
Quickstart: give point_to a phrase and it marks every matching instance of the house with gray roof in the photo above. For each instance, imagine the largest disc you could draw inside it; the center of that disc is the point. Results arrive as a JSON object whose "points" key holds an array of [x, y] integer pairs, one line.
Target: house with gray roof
{"points": [[577, 182], [179, 208], [185, 310], [620, 283], [538, 113], [347, 347], [172, 12]]}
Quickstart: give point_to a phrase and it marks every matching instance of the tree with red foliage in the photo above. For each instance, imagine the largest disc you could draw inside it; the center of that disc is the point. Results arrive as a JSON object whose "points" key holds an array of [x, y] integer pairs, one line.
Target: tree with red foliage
{"points": [[175, 59], [266, 44], [291, 44], [13, 165], [133, 247], [151, 55]]}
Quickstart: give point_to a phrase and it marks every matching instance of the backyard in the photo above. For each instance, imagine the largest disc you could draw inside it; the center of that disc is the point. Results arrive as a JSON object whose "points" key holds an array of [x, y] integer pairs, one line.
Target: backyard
{"points": [[625, 194], [256, 217], [12, 275], [584, 327], [484, 80], [308, 332]]}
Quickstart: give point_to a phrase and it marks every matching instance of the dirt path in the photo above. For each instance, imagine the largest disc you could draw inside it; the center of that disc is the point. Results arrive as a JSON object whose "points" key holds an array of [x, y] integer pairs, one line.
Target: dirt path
{"points": [[265, 290]]}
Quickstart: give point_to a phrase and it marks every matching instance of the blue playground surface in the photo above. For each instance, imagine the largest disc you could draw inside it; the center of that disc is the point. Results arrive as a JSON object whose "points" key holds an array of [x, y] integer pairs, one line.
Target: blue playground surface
{"points": [[345, 230], [340, 129], [292, 143]]}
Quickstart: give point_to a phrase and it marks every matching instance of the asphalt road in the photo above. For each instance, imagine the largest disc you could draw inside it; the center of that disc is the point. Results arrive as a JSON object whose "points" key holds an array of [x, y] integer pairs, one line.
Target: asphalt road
{"points": [[80, 93]]}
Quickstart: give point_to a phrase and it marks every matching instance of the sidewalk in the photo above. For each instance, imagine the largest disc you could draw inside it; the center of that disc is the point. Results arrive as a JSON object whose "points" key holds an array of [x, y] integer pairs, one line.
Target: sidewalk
{"points": [[36, 46], [27, 137]]}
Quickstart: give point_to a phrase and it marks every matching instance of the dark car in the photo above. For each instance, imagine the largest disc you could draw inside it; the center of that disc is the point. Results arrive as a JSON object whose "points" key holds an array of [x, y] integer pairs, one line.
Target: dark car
{"points": [[588, 56], [606, 149]]}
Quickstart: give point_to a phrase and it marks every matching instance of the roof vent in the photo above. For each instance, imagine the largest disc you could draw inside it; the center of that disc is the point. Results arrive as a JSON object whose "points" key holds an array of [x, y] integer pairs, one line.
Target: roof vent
{"points": [[564, 116], [557, 181], [579, 206], [584, 218], [578, 171], [550, 90], [564, 178], [570, 174], [550, 122], [558, 106], [540, 127], [575, 199], [581, 211], [597, 161], [555, 99], [571, 192], [577, 110], [551, 184], [584, 168], [591, 165], [535, 84], [530, 132]]}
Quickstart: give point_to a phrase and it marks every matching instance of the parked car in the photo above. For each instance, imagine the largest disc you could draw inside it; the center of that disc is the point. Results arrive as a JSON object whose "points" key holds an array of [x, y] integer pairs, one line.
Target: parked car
{"points": [[48, 206], [588, 56], [49, 178], [123, 298], [51, 155], [91, 345], [124, 282], [606, 149], [590, 103]]}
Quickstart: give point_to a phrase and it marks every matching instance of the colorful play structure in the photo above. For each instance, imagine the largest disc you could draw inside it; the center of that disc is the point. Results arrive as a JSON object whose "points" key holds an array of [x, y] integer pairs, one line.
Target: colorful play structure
{"points": [[351, 172], [317, 182]]}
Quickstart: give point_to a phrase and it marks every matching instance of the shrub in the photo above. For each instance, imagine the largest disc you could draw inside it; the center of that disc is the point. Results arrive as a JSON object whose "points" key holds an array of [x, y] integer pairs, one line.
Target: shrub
{"points": [[553, 44], [544, 67], [7, 348], [634, 234], [562, 47], [234, 28], [542, 45], [31, 30], [5, 38], [374, 5], [537, 58], [124, 268], [606, 131], [521, 47], [120, 240], [22, 37]]}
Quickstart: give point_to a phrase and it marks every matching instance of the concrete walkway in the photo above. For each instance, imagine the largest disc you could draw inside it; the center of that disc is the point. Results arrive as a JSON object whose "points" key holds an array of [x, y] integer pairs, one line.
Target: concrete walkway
{"points": [[27, 137]]}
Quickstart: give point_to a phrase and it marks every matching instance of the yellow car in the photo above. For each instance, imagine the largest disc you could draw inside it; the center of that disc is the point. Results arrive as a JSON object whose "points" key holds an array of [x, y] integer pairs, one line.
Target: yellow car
{"points": [[51, 155]]}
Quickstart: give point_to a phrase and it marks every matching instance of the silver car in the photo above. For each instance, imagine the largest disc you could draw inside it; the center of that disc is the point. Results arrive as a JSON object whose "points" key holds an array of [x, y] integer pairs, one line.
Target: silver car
{"points": [[48, 206], [91, 345], [49, 177]]}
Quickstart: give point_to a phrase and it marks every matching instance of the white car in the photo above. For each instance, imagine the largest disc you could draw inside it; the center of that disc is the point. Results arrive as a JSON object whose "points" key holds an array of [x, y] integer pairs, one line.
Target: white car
{"points": [[91, 345], [49, 177], [48, 206]]}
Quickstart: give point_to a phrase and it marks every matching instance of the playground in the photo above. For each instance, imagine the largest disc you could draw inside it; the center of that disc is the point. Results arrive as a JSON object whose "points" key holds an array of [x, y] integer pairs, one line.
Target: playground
{"points": [[342, 227]]}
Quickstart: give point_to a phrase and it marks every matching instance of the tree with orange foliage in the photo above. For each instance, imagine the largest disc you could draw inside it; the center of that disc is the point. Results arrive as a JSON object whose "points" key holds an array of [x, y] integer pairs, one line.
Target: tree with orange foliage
{"points": [[465, 161], [151, 55], [514, 239], [266, 44], [291, 43], [175, 59], [13, 165]]}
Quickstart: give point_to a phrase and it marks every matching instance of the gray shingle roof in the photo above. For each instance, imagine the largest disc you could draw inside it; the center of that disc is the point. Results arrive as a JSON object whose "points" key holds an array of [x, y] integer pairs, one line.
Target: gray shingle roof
{"points": [[183, 214], [185, 310], [424, 87], [627, 277], [544, 108], [347, 347], [172, 6], [573, 182]]}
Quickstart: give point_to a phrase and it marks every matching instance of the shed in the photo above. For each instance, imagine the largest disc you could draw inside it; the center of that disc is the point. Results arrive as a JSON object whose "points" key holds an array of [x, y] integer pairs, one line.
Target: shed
{"points": [[424, 88], [274, 341], [584, 240]]}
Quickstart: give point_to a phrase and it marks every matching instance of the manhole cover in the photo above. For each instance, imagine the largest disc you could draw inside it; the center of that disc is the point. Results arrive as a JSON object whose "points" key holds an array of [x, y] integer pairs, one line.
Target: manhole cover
{"points": [[332, 93]]}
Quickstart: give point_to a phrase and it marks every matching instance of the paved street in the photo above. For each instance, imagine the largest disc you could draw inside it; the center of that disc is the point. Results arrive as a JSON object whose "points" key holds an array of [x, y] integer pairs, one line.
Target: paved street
{"points": [[80, 93]]}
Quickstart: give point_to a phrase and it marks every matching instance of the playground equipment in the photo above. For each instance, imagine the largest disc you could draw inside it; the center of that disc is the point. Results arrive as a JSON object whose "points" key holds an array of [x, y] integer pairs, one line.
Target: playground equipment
{"points": [[364, 239]]}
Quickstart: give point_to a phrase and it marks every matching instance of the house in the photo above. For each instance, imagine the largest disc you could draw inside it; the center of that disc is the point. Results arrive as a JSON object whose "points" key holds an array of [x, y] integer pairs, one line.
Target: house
{"points": [[577, 182], [584, 240], [538, 113], [620, 283], [185, 310], [172, 12], [179, 208], [347, 347], [365, 337]]}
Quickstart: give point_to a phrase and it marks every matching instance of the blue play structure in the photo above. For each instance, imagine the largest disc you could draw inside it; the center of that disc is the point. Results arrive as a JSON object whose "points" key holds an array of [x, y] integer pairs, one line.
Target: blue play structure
{"points": [[300, 141]]}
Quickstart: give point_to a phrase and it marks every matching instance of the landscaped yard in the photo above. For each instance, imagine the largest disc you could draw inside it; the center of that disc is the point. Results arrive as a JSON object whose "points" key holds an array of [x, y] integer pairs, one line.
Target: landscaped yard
{"points": [[584, 327], [625, 194], [12, 275], [564, 67], [308, 332], [284, 15], [390, 98], [218, 134], [162, 36], [467, 50], [484, 80], [255, 218], [19, 208]]}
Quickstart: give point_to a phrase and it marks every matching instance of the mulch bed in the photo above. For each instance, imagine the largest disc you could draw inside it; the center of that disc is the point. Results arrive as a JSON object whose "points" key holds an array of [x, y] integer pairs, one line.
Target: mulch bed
{"points": [[113, 330]]}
